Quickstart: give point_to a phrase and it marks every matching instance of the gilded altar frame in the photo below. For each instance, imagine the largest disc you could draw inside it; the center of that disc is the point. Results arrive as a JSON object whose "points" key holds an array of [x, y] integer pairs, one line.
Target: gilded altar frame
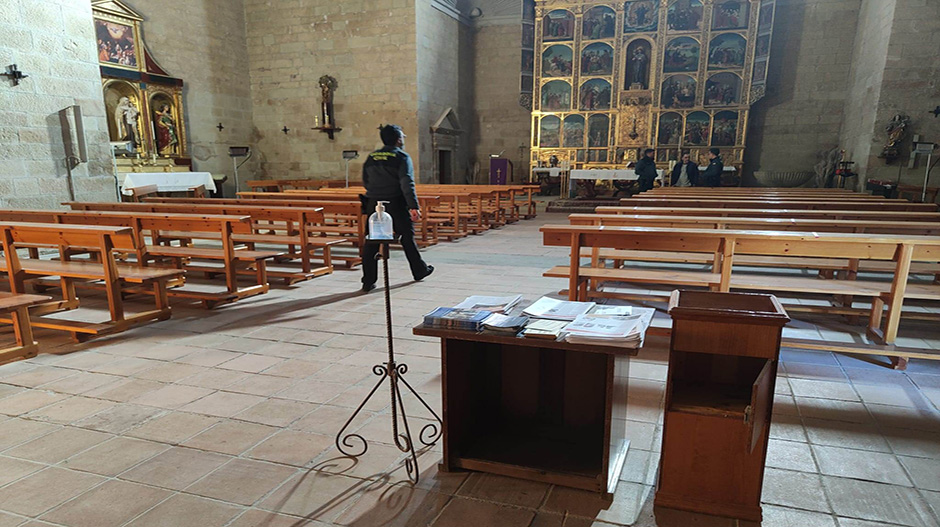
{"points": [[728, 77]]}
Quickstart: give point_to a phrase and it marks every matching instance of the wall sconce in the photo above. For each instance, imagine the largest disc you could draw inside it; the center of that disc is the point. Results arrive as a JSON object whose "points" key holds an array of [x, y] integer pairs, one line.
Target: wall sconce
{"points": [[14, 74]]}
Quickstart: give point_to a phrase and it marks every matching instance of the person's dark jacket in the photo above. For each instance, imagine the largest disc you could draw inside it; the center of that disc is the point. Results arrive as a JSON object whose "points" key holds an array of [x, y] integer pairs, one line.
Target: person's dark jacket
{"points": [[389, 174], [691, 172], [712, 174], [646, 169]]}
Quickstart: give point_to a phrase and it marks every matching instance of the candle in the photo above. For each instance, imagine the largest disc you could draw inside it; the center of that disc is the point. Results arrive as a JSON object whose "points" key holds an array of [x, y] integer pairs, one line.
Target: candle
{"points": [[316, 121]]}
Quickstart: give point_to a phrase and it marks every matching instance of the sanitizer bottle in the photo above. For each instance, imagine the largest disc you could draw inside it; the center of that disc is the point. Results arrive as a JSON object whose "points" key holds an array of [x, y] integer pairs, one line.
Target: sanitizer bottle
{"points": [[380, 223]]}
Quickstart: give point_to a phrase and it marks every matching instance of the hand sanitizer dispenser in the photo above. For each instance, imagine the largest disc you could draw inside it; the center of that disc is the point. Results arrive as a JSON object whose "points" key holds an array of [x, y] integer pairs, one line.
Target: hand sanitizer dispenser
{"points": [[380, 223]]}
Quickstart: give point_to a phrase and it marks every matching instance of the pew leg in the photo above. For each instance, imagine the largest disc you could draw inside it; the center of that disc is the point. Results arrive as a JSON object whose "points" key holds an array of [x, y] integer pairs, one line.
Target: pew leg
{"points": [[875, 318], [899, 363]]}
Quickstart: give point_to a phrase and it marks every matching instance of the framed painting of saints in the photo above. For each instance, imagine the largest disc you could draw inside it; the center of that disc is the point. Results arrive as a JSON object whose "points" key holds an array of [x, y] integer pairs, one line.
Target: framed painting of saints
{"points": [[557, 61], [727, 51], [730, 14], [685, 15], [117, 44], [558, 25], [597, 59], [682, 55], [641, 16]]}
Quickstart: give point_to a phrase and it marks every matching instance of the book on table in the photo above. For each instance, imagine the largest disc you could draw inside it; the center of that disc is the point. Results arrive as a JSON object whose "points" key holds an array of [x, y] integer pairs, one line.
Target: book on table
{"points": [[500, 323], [553, 309], [627, 332], [493, 304], [544, 328], [454, 318]]}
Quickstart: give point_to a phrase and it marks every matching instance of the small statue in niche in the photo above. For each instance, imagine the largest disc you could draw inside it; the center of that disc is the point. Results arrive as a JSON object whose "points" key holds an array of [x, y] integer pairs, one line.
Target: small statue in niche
{"points": [[167, 137], [895, 130], [639, 69], [125, 116], [328, 86]]}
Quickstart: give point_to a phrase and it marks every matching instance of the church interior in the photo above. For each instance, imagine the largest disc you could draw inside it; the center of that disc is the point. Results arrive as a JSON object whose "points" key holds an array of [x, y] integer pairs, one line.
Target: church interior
{"points": [[448, 263]]}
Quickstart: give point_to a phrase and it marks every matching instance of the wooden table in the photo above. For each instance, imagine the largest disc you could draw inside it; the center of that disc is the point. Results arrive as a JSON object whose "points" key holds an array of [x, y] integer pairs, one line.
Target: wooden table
{"points": [[534, 409]]}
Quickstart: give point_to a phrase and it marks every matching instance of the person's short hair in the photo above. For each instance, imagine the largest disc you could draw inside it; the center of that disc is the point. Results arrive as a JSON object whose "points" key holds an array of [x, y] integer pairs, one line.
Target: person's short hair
{"points": [[647, 151], [390, 134], [715, 151]]}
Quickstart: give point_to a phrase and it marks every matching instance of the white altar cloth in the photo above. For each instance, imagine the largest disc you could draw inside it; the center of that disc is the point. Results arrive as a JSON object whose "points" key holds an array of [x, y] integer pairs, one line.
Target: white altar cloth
{"points": [[167, 181]]}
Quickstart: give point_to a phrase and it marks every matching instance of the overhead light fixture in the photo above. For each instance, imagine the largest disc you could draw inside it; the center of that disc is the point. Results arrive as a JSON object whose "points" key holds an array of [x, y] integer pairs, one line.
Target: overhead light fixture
{"points": [[475, 13]]}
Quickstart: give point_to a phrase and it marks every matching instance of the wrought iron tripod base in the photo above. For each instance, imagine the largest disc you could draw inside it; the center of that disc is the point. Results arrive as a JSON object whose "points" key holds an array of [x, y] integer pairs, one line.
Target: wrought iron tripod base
{"points": [[354, 445]]}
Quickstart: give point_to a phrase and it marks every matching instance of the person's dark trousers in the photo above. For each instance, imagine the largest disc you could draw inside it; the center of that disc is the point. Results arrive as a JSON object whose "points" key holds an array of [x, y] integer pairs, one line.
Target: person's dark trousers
{"points": [[645, 184], [713, 181], [404, 231]]}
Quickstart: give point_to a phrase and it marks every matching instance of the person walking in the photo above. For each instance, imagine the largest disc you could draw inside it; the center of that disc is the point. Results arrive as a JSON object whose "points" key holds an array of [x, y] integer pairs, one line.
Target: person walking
{"points": [[646, 170], [388, 175], [685, 174], [716, 167]]}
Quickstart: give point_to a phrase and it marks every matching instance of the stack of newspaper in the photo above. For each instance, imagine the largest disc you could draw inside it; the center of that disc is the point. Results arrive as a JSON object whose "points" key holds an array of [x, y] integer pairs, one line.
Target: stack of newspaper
{"points": [[500, 323], [493, 304], [604, 330], [552, 309]]}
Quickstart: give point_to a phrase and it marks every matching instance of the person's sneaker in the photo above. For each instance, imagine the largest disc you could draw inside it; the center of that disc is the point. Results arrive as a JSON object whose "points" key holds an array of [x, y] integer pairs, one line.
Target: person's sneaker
{"points": [[367, 287], [425, 275]]}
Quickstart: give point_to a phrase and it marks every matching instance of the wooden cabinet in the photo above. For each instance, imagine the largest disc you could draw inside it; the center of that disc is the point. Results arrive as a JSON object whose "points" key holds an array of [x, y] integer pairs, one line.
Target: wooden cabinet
{"points": [[719, 399]]}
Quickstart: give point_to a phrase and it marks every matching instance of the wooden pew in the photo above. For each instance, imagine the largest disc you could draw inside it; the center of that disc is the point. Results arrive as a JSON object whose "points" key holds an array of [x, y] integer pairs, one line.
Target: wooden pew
{"points": [[727, 245], [139, 193], [864, 198], [848, 213], [280, 185], [287, 226], [777, 204], [220, 228], [14, 309], [103, 241]]}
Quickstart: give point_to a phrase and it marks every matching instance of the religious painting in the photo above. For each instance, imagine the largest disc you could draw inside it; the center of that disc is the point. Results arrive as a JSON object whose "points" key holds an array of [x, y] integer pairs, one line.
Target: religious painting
{"points": [[678, 92], [670, 128], [528, 35], [597, 156], [598, 131], [639, 53], [723, 89], [556, 96], [595, 95], [763, 46], [620, 155], [550, 132], [574, 131], [685, 15], [526, 84], [166, 124], [697, 129], [640, 16], [725, 129], [726, 51], [599, 22], [597, 59], [766, 19], [556, 61], [730, 14], [117, 43], [528, 61], [760, 71], [681, 55], [665, 155], [558, 25], [581, 156]]}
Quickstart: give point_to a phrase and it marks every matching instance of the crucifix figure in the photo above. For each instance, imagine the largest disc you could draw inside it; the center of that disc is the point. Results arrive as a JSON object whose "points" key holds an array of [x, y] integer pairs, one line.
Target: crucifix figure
{"points": [[328, 86], [285, 129], [220, 127]]}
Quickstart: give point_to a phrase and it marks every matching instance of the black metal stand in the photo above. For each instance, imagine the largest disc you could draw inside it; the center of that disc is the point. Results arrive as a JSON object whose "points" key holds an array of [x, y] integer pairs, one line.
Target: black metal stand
{"points": [[393, 372]]}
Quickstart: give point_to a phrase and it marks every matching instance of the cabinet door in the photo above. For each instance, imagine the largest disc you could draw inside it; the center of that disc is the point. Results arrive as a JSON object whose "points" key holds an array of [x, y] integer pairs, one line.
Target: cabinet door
{"points": [[757, 414]]}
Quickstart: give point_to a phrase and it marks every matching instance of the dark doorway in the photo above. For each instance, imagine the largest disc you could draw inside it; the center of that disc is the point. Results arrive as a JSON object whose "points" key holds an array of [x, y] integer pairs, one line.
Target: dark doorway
{"points": [[445, 167]]}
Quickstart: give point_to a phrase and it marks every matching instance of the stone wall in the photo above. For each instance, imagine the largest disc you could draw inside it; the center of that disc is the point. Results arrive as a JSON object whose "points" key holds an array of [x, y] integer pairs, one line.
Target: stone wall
{"points": [[868, 66], [203, 42], [910, 85], [810, 64], [367, 45], [440, 85], [501, 125], [53, 41]]}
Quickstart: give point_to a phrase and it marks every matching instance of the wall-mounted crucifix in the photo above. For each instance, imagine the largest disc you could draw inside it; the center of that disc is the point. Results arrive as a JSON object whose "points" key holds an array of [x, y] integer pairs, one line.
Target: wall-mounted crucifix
{"points": [[220, 127], [14, 74], [285, 129], [935, 112]]}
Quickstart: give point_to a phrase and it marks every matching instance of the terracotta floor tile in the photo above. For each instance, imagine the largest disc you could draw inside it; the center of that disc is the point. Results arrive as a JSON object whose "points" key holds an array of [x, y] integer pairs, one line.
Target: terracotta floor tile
{"points": [[276, 412], [230, 437], [113, 503], [187, 511], [924, 472], [214, 378], [33, 495], [39, 376], [123, 391], [263, 385], [316, 495], [790, 455], [297, 368], [328, 420], [398, 506], [119, 418], [16, 431], [12, 469], [173, 428], [170, 372], [58, 445], [115, 456], [9, 520], [70, 410], [242, 481], [291, 448], [794, 489], [260, 518], [172, 396], [844, 434], [461, 512], [222, 404], [81, 382], [176, 468], [876, 502], [28, 401]]}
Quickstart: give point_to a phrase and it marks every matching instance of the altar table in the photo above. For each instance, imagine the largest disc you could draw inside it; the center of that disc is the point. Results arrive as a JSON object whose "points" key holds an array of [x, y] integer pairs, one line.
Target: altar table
{"points": [[168, 181]]}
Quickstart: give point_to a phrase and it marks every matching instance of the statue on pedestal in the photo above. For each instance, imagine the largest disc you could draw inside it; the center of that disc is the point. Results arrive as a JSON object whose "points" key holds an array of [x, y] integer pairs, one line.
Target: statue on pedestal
{"points": [[125, 116], [328, 86]]}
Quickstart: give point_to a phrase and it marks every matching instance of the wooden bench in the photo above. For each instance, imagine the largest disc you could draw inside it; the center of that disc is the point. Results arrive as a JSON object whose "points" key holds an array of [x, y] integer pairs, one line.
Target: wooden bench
{"points": [[220, 228], [101, 240], [279, 185], [727, 245], [14, 309], [139, 193], [844, 214], [281, 226], [777, 204]]}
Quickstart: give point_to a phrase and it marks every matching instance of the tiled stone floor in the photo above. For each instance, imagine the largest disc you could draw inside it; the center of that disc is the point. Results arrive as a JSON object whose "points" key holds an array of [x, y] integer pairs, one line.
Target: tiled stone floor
{"points": [[227, 417]]}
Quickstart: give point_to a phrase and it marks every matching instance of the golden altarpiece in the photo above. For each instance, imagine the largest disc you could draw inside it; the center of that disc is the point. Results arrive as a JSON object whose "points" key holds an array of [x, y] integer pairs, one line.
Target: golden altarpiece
{"points": [[144, 104], [612, 79]]}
